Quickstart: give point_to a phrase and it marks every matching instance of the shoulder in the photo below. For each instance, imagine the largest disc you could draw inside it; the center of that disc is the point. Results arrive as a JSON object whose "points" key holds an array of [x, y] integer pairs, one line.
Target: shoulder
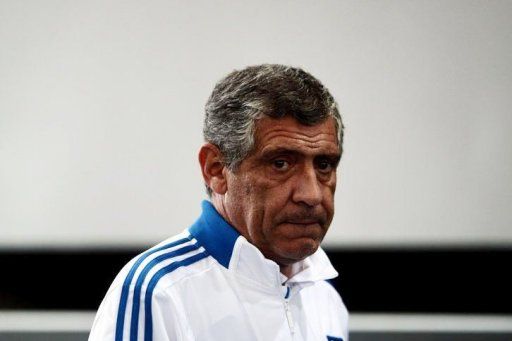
{"points": [[325, 300], [142, 287], [168, 262], [324, 292], [327, 288]]}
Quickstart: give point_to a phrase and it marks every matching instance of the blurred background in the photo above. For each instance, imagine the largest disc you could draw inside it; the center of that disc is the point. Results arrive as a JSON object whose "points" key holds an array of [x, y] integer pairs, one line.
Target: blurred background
{"points": [[101, 108]]}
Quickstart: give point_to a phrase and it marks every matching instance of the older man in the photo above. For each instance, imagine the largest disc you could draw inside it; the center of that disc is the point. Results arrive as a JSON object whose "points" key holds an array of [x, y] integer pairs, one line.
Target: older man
{"points": [[251, 266]]}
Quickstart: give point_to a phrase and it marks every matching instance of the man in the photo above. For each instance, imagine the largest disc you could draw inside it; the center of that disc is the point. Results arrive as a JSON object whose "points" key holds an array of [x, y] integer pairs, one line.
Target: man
{"points": [[251, 267]]}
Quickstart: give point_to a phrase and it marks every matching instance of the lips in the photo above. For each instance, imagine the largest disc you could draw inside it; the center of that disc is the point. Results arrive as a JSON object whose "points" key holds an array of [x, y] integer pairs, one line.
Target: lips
{"points": [[303, 222], [293, 231], [303, 218]]}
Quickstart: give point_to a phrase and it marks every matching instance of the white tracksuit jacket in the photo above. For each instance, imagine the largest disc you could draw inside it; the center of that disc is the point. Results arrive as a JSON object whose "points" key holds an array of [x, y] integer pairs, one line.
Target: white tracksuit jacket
{"points": [[210, 283]]}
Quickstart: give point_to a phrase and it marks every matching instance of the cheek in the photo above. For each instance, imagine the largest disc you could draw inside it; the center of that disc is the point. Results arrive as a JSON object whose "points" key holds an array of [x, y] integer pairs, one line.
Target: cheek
{"points": [[268, 202], [255, 197], [329, 201], [265, 192], [330, 189]]}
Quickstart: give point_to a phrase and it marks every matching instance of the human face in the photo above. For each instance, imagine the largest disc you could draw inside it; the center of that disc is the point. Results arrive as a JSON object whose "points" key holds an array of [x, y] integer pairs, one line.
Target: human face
{"points": [[281, 197]]}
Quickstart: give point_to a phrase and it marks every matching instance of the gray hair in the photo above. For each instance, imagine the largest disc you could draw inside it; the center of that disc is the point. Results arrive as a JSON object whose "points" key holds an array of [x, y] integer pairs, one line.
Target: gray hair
{"points": [[244, 96]]}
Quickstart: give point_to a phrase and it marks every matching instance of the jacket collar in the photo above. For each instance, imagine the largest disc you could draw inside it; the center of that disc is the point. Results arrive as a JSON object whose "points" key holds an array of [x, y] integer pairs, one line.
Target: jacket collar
{"points": [[224, 243], [215, 234]]}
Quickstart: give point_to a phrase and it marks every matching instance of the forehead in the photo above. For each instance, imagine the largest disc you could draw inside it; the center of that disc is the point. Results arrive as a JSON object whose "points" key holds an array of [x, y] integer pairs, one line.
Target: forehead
{"points": [[288, 133]]}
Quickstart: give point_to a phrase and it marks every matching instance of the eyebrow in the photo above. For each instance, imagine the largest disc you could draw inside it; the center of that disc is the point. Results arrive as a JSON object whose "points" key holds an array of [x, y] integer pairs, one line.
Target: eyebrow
{"points": [[272, 152]]}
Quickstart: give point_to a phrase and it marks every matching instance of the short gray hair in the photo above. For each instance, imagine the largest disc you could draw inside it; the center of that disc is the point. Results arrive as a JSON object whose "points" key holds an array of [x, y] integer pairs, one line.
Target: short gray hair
{"points": [[244, 96]]}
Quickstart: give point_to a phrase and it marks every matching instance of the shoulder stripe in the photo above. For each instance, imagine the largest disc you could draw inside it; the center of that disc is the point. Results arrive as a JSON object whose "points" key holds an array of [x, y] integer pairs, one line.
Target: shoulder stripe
{"points": [[126, 285], [148, 335], [134, 328]]}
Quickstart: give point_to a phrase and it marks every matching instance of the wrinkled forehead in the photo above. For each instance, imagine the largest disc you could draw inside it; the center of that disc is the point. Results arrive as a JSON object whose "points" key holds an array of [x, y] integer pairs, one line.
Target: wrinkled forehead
{"points": [[287, 132]]}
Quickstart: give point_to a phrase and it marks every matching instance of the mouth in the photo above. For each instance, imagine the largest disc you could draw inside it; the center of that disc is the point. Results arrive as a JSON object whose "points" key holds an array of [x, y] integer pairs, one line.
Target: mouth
{"points": [[303, 218], [302, 225], [302, 229], [303, 222]]}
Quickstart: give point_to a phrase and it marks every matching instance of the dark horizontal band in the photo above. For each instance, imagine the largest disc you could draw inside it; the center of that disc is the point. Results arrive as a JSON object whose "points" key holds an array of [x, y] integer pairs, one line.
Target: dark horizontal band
{"points": [[474, 280]]}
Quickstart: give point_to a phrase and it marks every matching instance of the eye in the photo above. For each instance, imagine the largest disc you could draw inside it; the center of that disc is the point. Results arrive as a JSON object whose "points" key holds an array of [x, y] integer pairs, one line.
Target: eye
{"points": [[280, 164], [325, 166]]}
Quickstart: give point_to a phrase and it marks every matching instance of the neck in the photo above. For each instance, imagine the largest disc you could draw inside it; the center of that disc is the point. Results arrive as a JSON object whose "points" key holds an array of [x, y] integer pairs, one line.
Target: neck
{"points": [[291, 270], [287, 270]]}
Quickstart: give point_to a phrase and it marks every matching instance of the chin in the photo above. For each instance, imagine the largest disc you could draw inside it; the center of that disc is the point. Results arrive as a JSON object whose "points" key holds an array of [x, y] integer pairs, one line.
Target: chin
{"points": [[299, 249]]}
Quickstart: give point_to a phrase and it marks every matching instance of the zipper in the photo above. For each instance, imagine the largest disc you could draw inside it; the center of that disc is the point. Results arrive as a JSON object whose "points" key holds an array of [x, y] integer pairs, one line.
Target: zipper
{"points": [[288, 312], [289, 317]]}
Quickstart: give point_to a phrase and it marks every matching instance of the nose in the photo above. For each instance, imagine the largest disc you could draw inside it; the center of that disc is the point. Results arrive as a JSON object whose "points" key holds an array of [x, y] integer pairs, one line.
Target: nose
{"points": [[307, 189]]}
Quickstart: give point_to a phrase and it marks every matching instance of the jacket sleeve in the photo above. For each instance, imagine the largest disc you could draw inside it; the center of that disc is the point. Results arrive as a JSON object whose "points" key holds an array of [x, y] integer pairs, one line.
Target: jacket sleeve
{"points": [[104, 325], [340, 312], [168, 319], [165, 321]]}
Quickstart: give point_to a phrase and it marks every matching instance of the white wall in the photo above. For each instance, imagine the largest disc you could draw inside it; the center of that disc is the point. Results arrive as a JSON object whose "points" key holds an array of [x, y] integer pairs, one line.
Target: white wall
{"points": [[101, 107]]}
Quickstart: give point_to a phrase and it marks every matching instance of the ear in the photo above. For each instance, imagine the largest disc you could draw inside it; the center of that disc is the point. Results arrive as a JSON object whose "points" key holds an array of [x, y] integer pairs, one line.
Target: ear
{"points": [[212, 167]]}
